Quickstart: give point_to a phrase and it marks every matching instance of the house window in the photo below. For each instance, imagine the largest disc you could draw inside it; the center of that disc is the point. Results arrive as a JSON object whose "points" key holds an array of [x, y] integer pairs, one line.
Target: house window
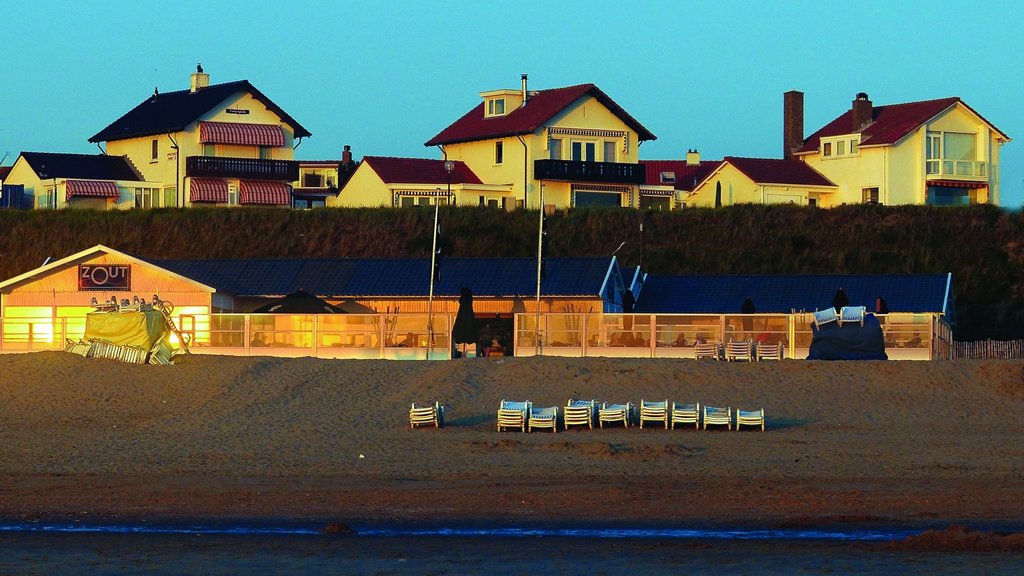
{"points": [[853, 147], [668, 177], [826, 149], [264, 152], [498, 152], [609, 151], [155, 150], [496, 107], [841, 148], [147, 197], [812, 202], [555, 149], [584, 151], [870, 195], [209, 149], [408, 201]]}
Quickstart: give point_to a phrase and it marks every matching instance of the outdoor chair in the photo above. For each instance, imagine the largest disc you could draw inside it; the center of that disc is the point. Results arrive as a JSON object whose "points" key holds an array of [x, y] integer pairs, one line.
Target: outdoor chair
{"points": [[706, 350], [512, 414], [654, 411], [766, 351], [544, 418], [825, 316], [683, 413], [852, 314], [750, 418], [615, 413], [717, 416], [739, 350], [579, 413], [430, 414]]}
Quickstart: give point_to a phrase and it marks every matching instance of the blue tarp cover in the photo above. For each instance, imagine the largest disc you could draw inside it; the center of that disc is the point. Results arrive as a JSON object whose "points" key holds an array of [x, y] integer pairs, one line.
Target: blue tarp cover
{"points": [[851, 341]]}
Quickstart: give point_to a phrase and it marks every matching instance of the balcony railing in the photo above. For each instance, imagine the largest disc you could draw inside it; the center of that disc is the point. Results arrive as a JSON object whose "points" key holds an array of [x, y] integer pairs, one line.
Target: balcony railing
{"points": [[950, 168], [242, 168], [612, 172]]}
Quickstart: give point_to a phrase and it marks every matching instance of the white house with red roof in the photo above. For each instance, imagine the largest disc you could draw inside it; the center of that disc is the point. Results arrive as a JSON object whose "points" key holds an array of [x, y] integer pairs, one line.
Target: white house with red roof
{"points": [[402, 182], [936, 152], [738, 180], [574, 146]]}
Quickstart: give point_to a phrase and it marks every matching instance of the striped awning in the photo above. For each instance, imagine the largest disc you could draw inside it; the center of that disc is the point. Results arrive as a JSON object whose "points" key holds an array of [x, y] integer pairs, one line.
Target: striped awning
{"points": [[208, 190], [264, 192], [957, 183], [91, 189], [241, 134]]}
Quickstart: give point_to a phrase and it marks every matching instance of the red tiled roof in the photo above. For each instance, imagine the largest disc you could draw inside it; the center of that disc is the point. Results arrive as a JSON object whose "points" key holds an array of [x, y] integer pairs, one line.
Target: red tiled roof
{"points": [[889, 123], [419, 171], [687, 176], [775, 171], [540, 108]]}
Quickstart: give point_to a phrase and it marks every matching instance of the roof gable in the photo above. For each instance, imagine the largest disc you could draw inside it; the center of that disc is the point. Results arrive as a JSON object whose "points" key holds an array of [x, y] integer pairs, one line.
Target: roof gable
{"points": [[889, 124], [86, 166], [541, 107], [173, 111], [776, 171], [419, 171]]}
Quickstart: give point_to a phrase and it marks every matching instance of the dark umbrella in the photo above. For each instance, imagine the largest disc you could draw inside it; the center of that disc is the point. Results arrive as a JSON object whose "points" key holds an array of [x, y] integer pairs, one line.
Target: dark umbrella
{"points": [[464, 331], [298, 303], [748, 308], [840, 300]]}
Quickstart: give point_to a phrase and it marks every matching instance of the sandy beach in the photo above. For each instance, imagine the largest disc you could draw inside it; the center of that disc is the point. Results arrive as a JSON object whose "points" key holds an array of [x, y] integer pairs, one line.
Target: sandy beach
{"points": [[848, 443]]}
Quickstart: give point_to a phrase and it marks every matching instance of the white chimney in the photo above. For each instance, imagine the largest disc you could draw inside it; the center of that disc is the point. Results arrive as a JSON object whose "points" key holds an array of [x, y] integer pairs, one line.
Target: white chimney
{"points": [[692, 157], [526, 95], [200, 79]]}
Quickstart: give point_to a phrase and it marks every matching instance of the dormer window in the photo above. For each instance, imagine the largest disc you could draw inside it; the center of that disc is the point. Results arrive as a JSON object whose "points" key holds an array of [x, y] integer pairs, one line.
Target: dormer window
{"points": [[496, 107], [841, 147], [668, 177]]}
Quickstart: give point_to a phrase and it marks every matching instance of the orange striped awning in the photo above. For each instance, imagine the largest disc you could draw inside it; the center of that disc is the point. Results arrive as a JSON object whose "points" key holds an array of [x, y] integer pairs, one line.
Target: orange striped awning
{"points": [[91, 189], [263, 192], [241, 133], [208, 190]]}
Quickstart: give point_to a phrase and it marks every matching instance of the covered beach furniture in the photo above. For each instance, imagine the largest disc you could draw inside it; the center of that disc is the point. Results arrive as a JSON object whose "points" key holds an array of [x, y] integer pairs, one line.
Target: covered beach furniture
{"points": [[750, 418], [579, 413], [544, 418], [614, 413], [513, 414], [683, 413], [766, 351], [654, 411], [705, 350], [739, 350], [852, 315], [426, 414], [715, 415]]}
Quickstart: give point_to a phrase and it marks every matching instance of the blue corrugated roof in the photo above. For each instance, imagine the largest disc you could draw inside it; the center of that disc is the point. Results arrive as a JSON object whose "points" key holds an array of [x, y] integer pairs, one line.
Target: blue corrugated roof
{"points": [[378, 277], [785, 293]]}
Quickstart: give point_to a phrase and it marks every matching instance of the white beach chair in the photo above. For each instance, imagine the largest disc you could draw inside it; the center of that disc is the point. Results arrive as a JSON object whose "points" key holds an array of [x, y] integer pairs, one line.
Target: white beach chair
{"points": [[739, 350], [654, 411], [430, 414], [717, 416], [544, 418], [683, 413], [826, 316], [615, 413], [706, 350], [513, 414], [766, 351], [579, 413], [852, 314], [750, 418]]}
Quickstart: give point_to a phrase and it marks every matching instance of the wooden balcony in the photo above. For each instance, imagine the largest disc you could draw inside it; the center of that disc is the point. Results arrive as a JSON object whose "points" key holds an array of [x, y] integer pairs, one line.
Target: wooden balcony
{"points": [[241, 168], [574, 171]]}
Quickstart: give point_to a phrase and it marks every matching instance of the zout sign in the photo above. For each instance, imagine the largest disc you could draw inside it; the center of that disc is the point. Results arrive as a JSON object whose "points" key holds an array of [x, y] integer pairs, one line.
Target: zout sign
{"points": [[104, 277]]}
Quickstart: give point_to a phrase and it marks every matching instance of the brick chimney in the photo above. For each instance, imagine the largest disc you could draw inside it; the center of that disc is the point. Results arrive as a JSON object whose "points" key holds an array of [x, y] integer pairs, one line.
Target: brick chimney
{"points": [[792, 122], [692, 157], [861, 112], [346, 156], [200, 79]]}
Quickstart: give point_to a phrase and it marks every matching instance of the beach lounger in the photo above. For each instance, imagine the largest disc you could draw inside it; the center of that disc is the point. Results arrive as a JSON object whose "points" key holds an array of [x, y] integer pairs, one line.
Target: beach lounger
{"points": [[825, 316], [579, 413], [705, 350], [852, 314], [513, 414], [654, 411], [739, 350], [683, 413], [750, 418], [544, 418], [714, 415], [429, 414], [767, 351], [614, 413]]}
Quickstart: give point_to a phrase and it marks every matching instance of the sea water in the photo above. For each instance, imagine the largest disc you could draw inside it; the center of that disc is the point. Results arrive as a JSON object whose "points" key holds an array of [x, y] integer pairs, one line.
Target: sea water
{"points": [[226, 549]]}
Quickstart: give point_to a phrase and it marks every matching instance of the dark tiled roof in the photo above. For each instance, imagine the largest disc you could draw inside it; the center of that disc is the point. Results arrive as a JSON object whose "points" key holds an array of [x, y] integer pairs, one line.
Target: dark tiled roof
{"points": [[4, 171], [687, 176], [419, 171], [775, 171], [541, 107], [889, 123], [86, 166], [173, 111], [782, 294], [380, 278]]}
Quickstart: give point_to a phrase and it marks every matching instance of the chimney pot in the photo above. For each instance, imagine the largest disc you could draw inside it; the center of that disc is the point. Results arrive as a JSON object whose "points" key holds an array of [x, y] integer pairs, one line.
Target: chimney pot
{"points": [[526, 94]]}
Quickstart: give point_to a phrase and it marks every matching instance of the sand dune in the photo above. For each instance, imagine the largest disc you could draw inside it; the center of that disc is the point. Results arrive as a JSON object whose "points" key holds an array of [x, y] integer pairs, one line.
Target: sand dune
{"points": [[214, 436]]}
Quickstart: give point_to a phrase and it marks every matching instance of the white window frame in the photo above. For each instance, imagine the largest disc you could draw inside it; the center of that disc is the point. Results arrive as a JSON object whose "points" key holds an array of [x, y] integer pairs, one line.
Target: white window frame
{"points": [[495, 106]]}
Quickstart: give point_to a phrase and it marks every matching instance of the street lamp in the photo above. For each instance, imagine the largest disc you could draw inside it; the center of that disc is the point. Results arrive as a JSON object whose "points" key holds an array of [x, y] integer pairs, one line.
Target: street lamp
{"points": [[448, 167]]}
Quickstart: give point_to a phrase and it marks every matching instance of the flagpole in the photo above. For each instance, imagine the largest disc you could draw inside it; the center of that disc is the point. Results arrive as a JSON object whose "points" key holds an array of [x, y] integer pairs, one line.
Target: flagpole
{"points": [[433, 262], [540, 263]]}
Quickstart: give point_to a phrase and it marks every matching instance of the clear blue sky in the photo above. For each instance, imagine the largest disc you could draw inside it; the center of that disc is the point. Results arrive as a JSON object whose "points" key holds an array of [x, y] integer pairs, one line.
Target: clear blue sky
{"points": [[384, 77]]}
